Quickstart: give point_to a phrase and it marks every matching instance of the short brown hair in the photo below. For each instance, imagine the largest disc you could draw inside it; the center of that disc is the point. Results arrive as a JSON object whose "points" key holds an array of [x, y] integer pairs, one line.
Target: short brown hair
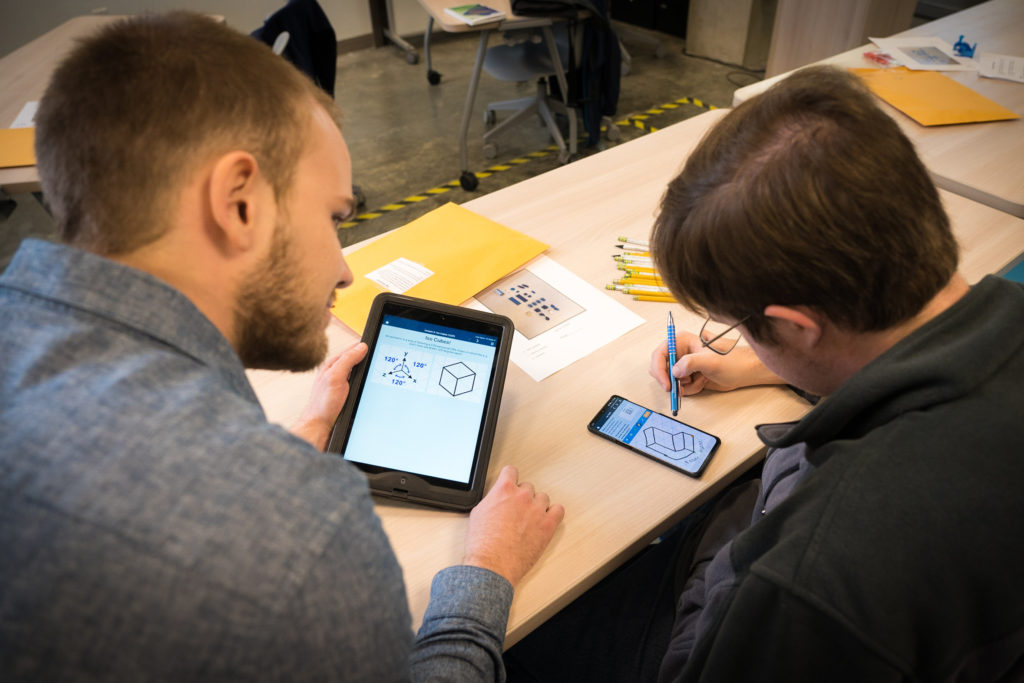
{"points": [[808, 194], [134, 110]]}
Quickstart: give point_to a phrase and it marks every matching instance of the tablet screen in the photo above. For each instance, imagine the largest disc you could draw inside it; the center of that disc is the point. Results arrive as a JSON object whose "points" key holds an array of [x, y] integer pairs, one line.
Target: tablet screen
{"points": [[422, 401]]}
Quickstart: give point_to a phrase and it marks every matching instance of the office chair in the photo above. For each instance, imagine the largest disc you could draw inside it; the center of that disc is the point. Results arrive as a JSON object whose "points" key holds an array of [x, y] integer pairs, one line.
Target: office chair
{"points": [[595, 59], [533, 54], [592, 87]]}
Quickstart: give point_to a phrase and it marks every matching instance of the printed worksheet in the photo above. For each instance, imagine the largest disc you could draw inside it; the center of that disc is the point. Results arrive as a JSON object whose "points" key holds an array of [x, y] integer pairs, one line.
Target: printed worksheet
{"points": [[583, 320]]}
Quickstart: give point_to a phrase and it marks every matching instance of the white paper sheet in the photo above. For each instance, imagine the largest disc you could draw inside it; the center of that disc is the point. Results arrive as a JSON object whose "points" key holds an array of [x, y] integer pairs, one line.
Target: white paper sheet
{"points": [[601, 320], [27, 116], [400, 275], [1001, 66], [925, 54]]}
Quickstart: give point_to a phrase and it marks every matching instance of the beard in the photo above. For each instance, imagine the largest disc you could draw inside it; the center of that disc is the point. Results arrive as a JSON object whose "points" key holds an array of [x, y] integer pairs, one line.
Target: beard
{"points": [[277, 328]]}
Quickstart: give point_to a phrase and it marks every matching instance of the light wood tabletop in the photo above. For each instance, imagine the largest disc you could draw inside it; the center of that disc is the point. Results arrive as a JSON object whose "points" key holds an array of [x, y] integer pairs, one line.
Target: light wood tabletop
{"points": [[982, 161], [24, 75], [616, 501]]}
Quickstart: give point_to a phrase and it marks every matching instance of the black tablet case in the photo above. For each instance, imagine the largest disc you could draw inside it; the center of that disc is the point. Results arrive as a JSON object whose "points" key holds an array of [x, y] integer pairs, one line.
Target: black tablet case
{"points": [[404, 485]]}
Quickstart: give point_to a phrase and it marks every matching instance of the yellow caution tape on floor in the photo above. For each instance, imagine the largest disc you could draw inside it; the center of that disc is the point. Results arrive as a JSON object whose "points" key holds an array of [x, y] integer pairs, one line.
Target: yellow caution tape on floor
{"points": [[634, 121]]}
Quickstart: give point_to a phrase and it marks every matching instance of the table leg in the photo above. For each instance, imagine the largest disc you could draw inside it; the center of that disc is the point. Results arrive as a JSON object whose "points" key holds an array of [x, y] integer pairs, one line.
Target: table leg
{"points": [[563, 85], [389, 32], [433, 77], [468, 180]]}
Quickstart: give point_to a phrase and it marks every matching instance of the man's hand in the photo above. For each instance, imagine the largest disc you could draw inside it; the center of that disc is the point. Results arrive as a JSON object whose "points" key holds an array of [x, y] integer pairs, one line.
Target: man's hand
{"points": [[511, 527], [330, 389], [698, 368]]}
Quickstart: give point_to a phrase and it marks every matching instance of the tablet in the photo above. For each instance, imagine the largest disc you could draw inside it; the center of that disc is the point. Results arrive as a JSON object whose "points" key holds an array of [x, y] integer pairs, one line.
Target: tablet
{"points": [[422, 406]]}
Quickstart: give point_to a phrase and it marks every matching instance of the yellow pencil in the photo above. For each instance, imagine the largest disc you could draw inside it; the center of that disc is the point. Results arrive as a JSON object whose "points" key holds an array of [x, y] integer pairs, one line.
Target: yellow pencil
{"points": [[640, 251], [639, 289], [645, 289], [631, 268], [668, 299], [638, 260], [640, 280]]}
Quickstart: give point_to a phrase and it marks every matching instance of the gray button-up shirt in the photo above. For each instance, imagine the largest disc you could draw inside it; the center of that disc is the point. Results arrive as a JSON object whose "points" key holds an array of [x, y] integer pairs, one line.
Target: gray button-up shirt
{"points": [[154, 525]]}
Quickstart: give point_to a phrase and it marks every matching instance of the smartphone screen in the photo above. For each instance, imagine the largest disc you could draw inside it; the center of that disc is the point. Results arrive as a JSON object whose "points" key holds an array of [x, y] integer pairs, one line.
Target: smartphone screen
{"points": [[668, 441]]}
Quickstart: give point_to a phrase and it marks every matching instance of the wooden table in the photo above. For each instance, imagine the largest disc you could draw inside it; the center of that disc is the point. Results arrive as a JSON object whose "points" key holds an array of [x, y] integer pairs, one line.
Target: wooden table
{"points": [[982, 161], [616, 501], [24, 75]]}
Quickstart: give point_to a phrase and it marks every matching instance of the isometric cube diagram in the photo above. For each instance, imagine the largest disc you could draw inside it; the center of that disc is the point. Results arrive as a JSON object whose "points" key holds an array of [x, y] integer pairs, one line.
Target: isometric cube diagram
{"points": [[675, 446], [457, 379]]}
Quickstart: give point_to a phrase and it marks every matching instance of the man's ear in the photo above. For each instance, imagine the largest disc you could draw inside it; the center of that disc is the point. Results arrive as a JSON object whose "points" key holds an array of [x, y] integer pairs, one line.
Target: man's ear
{"points": [[798, 326], [238, 198]]}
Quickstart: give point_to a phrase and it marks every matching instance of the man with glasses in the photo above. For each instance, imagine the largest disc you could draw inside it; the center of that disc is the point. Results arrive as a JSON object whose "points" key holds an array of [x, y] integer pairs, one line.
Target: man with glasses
{"points": [[887, 533], [884, 538]]}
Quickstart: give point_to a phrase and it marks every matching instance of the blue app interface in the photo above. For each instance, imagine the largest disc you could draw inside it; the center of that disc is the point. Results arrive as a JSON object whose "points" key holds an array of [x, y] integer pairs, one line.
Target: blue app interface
{"points": [[659, 436], [423, 399]]}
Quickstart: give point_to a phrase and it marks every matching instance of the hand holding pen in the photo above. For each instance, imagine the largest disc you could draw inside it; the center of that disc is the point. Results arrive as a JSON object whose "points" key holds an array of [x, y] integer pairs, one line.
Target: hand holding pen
{"points": [[696, 368]]}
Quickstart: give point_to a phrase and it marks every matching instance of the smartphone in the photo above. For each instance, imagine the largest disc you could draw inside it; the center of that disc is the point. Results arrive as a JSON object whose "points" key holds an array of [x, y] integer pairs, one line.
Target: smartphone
{"points": [[661, 438]]}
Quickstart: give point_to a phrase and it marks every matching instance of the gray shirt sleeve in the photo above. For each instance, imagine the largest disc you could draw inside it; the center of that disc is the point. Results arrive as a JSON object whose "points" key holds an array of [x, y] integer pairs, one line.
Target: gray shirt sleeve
{"points": [[464, 627]]}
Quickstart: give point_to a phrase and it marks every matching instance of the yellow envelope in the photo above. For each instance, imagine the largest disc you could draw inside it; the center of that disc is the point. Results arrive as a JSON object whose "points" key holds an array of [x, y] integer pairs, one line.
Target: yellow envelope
{"points": [[17, 147], [465, 251], [931, 98]]}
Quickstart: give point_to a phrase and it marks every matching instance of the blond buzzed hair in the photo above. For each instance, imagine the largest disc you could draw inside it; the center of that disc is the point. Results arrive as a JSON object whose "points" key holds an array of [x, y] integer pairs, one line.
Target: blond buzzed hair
{"points": [[140, 106]]}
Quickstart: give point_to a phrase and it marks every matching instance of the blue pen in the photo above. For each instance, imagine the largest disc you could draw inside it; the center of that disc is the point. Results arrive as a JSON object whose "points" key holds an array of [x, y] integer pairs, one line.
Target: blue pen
{"points": [[672, 362]]}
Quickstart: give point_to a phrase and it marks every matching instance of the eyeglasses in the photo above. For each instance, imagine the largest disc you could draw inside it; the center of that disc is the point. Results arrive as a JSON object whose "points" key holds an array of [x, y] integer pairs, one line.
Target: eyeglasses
{"points": [[712, 331]]}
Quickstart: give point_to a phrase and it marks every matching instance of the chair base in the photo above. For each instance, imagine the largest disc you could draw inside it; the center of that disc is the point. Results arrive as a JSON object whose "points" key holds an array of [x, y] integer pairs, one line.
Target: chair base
{"points": [[543, 105]]}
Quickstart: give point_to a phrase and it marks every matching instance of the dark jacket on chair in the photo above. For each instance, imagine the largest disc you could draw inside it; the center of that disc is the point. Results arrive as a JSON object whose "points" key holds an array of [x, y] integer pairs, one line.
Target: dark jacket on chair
{"points": [[312, 45]]}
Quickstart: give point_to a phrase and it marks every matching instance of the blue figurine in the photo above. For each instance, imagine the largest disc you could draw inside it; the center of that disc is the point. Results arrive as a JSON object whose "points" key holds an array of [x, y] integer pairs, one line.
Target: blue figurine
{"points": [[962, 49]]}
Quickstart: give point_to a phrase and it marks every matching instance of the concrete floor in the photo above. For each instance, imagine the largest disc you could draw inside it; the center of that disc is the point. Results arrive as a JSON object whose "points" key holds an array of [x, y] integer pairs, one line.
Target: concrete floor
{"points": [[402, 131]]}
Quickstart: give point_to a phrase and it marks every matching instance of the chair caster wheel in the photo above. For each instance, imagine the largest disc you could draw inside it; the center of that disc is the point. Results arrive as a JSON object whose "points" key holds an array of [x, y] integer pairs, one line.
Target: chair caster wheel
{"points": [[468, 181], [564, 157], [613, 133], [490, 150], [433, 77], [412, 58]]}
